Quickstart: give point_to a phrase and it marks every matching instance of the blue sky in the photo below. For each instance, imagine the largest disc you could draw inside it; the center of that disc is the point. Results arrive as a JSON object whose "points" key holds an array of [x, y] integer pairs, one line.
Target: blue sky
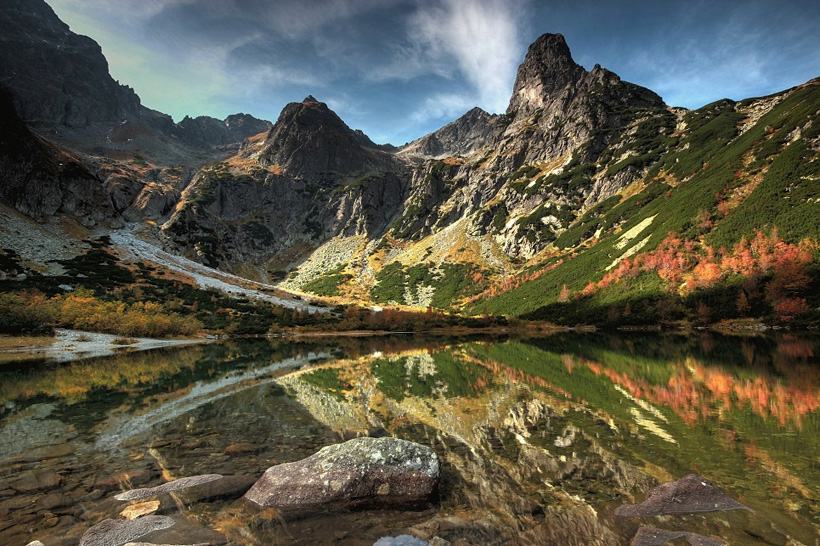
{"points": [[400, 68]]}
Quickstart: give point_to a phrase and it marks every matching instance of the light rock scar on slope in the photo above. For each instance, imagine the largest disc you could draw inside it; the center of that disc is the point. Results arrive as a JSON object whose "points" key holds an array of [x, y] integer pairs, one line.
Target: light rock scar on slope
{"points": [[207, 277]]}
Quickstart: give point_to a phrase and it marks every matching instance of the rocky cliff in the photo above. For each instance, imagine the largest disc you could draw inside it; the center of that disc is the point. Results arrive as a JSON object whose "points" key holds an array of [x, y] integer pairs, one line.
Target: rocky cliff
{"points": [[41, 180], [308, 179], [61, 88], [579, 155]]}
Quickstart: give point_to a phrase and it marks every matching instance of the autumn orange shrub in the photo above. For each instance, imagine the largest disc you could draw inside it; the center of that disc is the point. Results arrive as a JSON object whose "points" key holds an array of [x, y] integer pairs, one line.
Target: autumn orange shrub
{"points": [[689, 266], [83, 311]]}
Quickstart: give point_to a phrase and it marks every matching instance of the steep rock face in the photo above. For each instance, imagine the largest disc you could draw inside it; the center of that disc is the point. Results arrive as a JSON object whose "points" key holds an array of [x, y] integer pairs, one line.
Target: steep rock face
{"points": [[523, 177], [311, 178], [41, 180], [547, 69], [518, 179], [471, 131], [62, 88], [78, 89]]}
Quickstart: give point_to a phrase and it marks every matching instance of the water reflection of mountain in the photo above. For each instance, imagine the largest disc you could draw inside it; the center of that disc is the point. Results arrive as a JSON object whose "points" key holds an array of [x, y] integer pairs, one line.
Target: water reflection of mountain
{"points": [[596, 417], [540, 438]]}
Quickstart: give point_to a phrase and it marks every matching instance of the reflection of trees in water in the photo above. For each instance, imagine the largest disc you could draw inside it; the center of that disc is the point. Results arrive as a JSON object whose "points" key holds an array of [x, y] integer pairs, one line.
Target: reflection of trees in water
{"points": [[139, 374]]}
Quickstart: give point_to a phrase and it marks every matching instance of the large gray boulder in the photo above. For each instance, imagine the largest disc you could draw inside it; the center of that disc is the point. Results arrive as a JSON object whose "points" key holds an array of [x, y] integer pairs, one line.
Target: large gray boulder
{"points": [[383, 471]]}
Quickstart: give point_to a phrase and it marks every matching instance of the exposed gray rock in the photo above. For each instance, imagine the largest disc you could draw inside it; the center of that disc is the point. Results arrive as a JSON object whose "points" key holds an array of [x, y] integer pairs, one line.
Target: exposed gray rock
{"points": [[472, 131], [314, 178], [175, 485], [112, 532], [62, 87], [310, 141], [386, 471], [208, 131], [652, 536], [688, 495], [226, 487], [41, 180]]}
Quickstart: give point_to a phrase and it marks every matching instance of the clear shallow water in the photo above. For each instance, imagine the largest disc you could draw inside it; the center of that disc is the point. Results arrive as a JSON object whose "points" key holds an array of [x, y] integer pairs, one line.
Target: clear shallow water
{"points": [[540, 439]]}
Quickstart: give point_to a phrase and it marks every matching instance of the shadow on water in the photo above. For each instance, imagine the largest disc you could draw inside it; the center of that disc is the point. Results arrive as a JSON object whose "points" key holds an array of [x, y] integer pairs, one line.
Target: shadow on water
{"points": [[540, 439]]}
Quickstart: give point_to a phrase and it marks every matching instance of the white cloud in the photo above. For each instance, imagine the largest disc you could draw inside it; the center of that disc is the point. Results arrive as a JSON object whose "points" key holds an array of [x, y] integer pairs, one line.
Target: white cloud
{"points": [[443, 106], [481, 37]]}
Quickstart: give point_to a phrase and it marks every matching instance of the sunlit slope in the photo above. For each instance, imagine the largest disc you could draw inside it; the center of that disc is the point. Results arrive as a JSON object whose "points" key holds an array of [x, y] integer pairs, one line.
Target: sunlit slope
{"points": [[729, 176]]}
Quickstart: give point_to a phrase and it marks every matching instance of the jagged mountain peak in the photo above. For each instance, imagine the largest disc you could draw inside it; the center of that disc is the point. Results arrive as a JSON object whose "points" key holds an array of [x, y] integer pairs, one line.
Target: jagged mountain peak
{"points": [[547, 68], [552, 47], [474, 129], [309, 140]]}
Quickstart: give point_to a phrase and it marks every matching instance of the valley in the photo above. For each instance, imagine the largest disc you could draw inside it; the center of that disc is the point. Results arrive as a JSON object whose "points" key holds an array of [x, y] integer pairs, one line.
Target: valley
{"points": [[584, 317]]}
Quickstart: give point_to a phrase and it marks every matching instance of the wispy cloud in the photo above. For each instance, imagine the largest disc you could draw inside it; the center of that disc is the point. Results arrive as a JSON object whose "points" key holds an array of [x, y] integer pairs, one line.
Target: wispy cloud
{"points": [[399, 68], [482, 38], [442, 106]]}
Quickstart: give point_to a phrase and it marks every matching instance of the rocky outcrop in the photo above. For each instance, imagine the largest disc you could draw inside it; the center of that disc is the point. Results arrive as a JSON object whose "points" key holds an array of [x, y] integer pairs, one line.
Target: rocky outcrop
{"points": [[311, 178], [62, 88], [472, 131], [358, 472], [41, 180], [205, 131], [78, 90], [688, 495], [518, 179]]}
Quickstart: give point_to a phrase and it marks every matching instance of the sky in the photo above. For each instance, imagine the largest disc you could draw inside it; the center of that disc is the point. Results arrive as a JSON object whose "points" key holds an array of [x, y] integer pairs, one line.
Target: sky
{"points": [[398, 69]]}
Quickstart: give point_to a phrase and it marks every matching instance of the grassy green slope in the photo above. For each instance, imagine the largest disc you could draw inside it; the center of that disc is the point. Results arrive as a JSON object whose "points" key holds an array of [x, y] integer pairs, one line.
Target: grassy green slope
{"points": [[711, 161]]}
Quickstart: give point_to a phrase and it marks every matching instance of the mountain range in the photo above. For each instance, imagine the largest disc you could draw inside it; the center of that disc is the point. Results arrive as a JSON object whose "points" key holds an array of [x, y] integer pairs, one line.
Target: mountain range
{"points": [[589, 200]]}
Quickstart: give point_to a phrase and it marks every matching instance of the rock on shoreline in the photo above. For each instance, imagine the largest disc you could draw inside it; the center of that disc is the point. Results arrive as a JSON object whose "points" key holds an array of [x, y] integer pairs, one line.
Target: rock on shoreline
{"points": [[361, 471]]}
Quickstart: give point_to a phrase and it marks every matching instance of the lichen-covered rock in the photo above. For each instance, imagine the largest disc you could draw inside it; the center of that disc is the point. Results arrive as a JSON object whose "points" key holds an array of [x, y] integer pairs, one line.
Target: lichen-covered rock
{"points": [[175, 485], [112, 532], [688, 495], [384, 471]]}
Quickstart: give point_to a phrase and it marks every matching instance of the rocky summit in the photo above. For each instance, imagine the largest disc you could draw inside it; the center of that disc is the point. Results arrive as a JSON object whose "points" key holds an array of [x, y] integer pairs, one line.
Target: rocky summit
{"points": [[533, 212]]}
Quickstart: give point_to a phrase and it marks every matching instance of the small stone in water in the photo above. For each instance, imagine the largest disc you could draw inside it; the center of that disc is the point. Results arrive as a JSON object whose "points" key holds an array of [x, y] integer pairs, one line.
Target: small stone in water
{"points": [[138, 509], [401, 540]]}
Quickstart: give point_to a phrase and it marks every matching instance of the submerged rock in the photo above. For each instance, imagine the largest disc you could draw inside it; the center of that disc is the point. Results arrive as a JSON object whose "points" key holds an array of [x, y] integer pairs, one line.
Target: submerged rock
{"points": [[139, 509], [184, 532], [401, 540], [175, 485], [36, 480], [226, 487], [687, 495], [360, 471], [111, 532], [652, 536]]}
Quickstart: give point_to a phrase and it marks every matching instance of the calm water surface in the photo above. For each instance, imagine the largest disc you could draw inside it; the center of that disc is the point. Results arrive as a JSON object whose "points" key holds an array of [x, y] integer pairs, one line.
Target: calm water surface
{"points": [[540, 439]]}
